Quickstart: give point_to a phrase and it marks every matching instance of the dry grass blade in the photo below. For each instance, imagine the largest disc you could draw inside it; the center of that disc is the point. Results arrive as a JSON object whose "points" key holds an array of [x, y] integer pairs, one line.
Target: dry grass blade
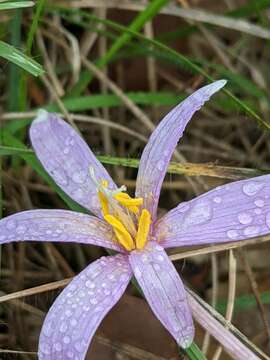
{"points": [[128, 350], [230, 337], [35, 290], [186, 254], [231, 295], [198, 15], [255, 290], [220, 247]]}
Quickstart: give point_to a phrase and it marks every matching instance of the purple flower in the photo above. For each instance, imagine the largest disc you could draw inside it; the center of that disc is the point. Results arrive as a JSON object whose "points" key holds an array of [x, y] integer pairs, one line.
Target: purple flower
{"points": [[130, 226]]}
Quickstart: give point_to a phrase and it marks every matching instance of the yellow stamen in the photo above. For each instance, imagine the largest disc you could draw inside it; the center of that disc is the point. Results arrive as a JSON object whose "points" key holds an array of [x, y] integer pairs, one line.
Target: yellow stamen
{"points": [[121, 232], [133, 209], [143, 229], [104, 183], [126, 200], [104, 203], [131, 204]]}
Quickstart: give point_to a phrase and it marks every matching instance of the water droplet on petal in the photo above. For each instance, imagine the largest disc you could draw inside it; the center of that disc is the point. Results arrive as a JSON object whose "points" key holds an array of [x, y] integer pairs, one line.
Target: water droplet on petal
{"points": [[144, 258], [93, 301], [245, 218], [160, 165], [45, 348], [21, 229], [11, 224], [70, 354], [199, 214], [48, 328], [58, 346], [63, 327], [137, 272], [79, 346], [252, 188], [160, 258], [232, 234], [259, 202], [251, 230], [217, 199], [258, 211], [66, 339], [68, 313], [90, 284], [59, 177], [79, 177], [73, 322]]}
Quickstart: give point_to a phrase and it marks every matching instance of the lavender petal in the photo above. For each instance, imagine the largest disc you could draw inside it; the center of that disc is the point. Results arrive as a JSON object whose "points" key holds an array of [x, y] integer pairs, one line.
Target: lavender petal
{"points": [[67, 158], [164, 291], [161, 145], [77, 312], [57, 225], [236, 211]]}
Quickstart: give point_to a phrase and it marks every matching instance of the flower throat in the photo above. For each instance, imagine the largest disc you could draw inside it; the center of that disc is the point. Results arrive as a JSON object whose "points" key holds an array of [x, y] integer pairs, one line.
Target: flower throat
{"points": [[130, 223]]}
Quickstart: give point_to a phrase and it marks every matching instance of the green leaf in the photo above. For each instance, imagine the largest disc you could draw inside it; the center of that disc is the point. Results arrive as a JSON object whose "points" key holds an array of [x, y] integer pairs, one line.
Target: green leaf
{"points": [[15, 5], [10, 53]]}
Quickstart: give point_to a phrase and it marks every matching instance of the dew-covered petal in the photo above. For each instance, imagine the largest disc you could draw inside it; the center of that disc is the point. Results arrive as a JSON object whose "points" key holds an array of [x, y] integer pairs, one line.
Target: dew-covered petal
{"points": [[67, 158], [230, 343], [57, 225], [236, 211], [164, 291], [77, 312], [161, 145]]}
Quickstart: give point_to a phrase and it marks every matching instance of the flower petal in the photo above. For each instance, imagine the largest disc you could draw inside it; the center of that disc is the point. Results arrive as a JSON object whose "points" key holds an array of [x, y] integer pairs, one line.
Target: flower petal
{"points": [[67, 159], [161, 145], [164, 291], [77, 312], [236, 211], [57, 225]]}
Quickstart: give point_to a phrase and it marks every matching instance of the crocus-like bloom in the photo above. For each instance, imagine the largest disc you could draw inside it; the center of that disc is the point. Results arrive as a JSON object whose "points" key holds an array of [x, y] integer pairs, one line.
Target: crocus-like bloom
{"points": [[129, 226]]}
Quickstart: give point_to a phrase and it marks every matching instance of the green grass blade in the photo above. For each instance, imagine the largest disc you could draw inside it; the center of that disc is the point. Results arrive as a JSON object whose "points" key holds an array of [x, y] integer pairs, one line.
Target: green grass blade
{"points": [[250, 8], [83, 103], [243, 302], [14, 72], [188, 169], [150, 11], [196, 68], [182, 59], [29, 43], [16, 5], [194, 352], [15, 56], [34, 25]]}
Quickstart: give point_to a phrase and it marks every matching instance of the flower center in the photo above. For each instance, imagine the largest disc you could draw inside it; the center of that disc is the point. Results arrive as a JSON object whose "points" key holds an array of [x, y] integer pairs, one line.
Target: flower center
{"points": [[130, 223]]}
